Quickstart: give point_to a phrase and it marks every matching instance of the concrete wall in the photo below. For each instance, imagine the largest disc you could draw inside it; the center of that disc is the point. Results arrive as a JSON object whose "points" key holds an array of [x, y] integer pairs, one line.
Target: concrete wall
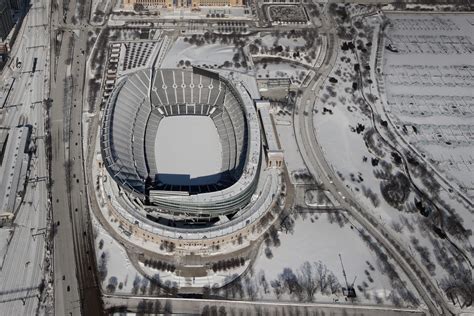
{"points": [[203, 247]]}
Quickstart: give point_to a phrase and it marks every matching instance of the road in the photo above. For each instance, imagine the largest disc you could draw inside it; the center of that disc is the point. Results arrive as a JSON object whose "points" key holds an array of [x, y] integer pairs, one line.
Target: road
{"points": [[74, 256], [318, 165], [76, 286], [196, 307]]}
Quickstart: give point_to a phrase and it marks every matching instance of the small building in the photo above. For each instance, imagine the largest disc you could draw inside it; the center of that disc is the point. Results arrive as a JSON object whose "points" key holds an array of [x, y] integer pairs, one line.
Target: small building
{"points": [[6, 218], [274, 154], [14, 155]]}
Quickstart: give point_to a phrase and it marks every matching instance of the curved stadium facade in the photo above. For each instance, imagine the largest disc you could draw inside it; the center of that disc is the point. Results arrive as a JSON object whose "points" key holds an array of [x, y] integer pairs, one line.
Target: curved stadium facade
{"points": [[141, 102]]}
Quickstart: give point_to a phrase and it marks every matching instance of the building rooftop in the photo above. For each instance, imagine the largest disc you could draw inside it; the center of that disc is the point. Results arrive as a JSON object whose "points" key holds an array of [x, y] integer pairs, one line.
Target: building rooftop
{"points": [[270, 137]]}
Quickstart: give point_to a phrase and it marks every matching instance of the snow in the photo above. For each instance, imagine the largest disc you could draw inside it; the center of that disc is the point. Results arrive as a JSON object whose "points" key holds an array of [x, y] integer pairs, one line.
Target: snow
{"points": [[338, 127], [25, 261], [208, 54], [272, 70], [340, 114], [318, 198], [22, 261], [240, 13], [218, 278], [317, 237], [292, 43], [5, 235], [429, 86], [117, 262], [420, 7], [300, 48], [188, 147], [286, 136]]}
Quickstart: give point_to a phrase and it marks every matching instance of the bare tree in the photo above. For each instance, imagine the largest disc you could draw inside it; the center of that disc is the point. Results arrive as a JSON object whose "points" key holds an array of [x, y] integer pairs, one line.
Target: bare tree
{"points": [[333, 283], [112, 284], [307, 280], [322, 272], [136, 284], [168, 309], [250, 288], [104, 257], [144, 286], [291, 283], [278, 288], [157, 307], [263, 281]]}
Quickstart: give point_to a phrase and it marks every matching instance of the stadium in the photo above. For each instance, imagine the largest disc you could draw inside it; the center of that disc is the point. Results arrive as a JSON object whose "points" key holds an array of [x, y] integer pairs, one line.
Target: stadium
{"points": [[184, 147]]}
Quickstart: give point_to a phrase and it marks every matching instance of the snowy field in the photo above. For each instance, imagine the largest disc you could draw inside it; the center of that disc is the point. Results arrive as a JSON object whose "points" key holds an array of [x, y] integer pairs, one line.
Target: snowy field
{"points": [[273, 70], [292, 43], [373, 173], [188, 150], [429, 79], [214, 55], [116, 272], [320, 238], [297, 46]]}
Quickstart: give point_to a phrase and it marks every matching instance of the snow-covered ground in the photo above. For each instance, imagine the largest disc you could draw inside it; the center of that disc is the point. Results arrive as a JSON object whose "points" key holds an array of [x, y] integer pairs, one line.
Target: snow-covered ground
{"points": [[423, 7], [211, 279], [218, 53], [286, 136], [22, 264], [112, 259], [99, 7], [368, 167], [321, 238], [181, 137], [188, 13], [299, 47], [272, 70], [5, 235], [429, 86], [292, 43], [214, 55], [25, 283], [318, 198], [427, 79]]}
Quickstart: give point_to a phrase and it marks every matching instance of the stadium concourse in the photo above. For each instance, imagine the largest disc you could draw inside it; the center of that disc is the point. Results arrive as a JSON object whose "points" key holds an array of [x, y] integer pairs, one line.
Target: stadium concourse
{"points": [[156, 186]]}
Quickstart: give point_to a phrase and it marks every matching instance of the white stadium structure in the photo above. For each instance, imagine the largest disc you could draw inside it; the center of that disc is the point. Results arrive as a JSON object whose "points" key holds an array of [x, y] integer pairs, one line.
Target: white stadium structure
{"points": [[185, 150], [130, 125]]}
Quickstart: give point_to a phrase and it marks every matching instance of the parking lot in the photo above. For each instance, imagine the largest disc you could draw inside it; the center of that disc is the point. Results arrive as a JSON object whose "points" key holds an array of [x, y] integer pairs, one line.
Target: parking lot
{"points": [[429, 75]]}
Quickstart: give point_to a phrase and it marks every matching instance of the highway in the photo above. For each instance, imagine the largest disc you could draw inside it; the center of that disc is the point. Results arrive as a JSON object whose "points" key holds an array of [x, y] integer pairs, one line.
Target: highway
{"points": [[76, 286], [318, 165]]}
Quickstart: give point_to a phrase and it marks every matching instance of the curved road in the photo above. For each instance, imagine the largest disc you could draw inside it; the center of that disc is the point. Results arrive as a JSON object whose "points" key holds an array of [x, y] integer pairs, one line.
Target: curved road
{"points": [[318, 166]]}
